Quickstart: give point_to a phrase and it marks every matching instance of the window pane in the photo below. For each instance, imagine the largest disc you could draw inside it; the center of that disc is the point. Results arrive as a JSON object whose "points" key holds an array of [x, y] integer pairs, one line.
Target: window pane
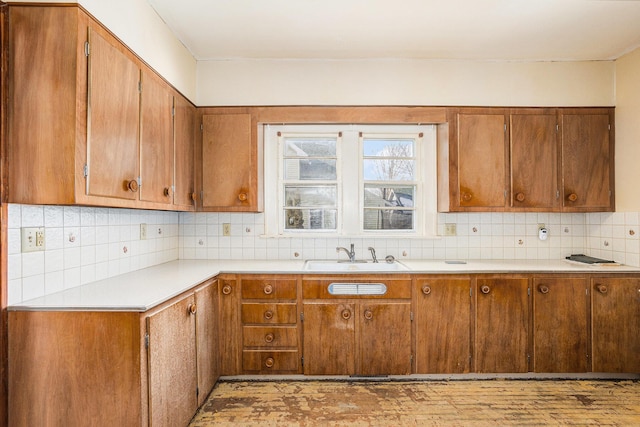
{"points": [[310, 196], [400, 197], [388, 169], [388, 147], [310, 169], [388, 219], [310, 219], [309, 147]]}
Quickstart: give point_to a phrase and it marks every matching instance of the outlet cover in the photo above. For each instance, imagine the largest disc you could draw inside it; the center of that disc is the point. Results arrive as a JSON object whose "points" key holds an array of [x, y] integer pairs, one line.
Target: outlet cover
{"points": [[143, 231], [450, 229], [226, 229], [33, 239]]}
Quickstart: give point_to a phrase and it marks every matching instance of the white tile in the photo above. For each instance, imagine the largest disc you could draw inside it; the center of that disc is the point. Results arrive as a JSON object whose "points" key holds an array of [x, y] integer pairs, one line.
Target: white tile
{"points": [[72, 257], [53, 216], [53, 261], [32, 264], [14, 214], [32, 216], [32, 287], [14, 291], [72, 216], [14, 241], [72, 237], [72, 278], [54, 238], [14, 266], [53, 282], [87, 217]]}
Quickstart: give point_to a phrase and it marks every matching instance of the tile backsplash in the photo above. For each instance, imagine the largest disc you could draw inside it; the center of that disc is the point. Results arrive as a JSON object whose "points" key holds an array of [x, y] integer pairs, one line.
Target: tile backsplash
{"points": [[85, 244]]}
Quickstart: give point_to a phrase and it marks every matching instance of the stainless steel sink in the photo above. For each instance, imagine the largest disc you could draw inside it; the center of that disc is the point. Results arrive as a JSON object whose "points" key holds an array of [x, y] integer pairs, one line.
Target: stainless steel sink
{"points": [[330, 265]]}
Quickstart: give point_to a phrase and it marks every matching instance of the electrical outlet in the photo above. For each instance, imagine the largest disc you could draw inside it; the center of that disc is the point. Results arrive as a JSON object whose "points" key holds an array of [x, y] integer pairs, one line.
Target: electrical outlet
{"points": [[226, 229], [33, 239], [143, 231], [450, 229]]}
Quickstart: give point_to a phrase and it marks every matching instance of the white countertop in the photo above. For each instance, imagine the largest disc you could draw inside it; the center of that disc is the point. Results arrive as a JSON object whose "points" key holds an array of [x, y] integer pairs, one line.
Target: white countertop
{"points": [[146, 288]]}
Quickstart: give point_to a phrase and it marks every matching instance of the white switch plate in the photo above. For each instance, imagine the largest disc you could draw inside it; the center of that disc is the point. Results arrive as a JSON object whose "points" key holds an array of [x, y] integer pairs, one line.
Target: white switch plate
{"points": [[143, 231], [33, 239]]}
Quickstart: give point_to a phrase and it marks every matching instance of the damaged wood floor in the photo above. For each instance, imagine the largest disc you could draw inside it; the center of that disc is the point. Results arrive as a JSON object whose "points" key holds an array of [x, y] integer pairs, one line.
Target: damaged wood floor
{"points": [[422, 403]]}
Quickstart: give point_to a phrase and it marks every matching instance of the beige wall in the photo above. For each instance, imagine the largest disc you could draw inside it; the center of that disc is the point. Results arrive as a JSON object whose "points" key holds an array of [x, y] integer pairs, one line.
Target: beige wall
{"points": [[139, 27], [628, 132], [404, 82]]}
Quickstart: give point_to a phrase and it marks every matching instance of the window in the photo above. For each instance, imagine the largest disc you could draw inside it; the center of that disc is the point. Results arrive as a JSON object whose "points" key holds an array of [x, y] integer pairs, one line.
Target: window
{"points": [[349, 180]]}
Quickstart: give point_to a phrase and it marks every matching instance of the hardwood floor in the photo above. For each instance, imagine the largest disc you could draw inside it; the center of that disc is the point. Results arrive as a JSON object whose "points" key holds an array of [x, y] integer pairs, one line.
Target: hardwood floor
{"points": [[422, 403]]}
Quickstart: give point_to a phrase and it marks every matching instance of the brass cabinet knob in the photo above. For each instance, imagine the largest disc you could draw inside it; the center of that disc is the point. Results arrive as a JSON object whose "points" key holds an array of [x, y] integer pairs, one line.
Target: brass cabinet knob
{"points": [[544, 289], [242, 197], [602, 289], [194, 196], [346, 314], [268, 315], [167, 192], [368, 314], [268, 289], [520, 197], [426, 289], [192, 308], [466, 197], [269, 362], [226, 289], [572, 197], [485, 289], [133, 186], [269, 337]]}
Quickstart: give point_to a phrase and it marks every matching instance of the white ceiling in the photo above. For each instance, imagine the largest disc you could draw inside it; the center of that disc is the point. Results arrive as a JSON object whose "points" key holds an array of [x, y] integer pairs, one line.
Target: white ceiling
{"points": [[520, 30]]}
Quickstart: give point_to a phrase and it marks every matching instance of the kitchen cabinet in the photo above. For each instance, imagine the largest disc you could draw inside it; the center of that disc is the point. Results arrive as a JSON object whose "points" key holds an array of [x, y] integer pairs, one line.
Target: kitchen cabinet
{"points": [[443, 318], [207, 341], [156, 140], [145, 367], [560, 324], [615, 322], [230, 326], [587, 159], [88, 122], [269, 314], [357, 334], [502, 324], [184, 195], [231, 163]]}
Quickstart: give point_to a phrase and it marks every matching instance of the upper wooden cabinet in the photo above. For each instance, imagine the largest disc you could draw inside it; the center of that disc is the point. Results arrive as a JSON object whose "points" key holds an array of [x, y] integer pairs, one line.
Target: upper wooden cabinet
{"points": [[88, 122], [184, 148], [527, 159], [231, 163]]}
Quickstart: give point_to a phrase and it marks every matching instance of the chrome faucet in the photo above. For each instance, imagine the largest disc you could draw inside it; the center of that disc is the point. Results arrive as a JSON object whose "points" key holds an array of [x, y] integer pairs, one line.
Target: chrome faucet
{"points": [[373, 254], [350, 253]]}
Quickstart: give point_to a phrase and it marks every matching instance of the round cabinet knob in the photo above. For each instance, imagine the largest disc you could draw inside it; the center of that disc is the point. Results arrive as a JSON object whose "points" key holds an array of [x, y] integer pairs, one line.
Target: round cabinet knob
{"points": [[167, 192], [346, 314], [194, 196], [485, 289], [520, 197], [572, 197], [426, 289], [368, 314], [268, 315], [602, 289], [133, 186], [466, 197], [269, 362], [226, 289], [192, 309], [242, 197], [268, 289], [269, 337], [544, 289]]}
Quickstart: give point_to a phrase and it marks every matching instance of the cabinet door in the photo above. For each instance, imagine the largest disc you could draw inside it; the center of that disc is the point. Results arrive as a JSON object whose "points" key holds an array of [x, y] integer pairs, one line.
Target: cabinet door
{"points": [[172, 364], [482, 160], [615, 324], [534, 161], [560, 325], [329, 338], [587, 160], [385, 338], [208, 358], [156, 140], [502, 325], [184, 124], [443, 326], [113, 121], [230, 327], [229, 164]]}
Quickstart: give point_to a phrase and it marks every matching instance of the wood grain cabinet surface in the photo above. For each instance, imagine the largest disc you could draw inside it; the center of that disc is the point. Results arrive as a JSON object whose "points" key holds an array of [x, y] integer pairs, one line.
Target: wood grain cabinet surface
{"points": [[89, 122], [150, 368]]}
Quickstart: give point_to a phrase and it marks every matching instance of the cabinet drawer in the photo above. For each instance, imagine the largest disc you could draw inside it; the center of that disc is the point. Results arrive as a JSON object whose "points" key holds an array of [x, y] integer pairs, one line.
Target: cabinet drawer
{"points": [[266, 362], [319, 288], [270, 336], [269, 313], [269, 289]]}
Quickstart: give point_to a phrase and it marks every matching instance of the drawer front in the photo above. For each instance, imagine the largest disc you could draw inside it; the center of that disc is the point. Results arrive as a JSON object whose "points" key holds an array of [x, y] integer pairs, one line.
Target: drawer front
{"points": [[319, 288], [269, 289], [267, 362], [270, 336], [269, 313]]}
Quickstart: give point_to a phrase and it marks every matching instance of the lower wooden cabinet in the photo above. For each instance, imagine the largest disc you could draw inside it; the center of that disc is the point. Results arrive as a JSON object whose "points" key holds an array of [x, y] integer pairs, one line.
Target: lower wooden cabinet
{"points": [[502, 325], [105, 368], [560, 324], [615, 324], [443, 318]]}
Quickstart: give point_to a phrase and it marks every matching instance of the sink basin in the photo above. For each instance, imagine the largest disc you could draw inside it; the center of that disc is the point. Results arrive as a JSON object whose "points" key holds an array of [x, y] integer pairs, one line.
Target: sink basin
{"points": [[330, 265]]}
